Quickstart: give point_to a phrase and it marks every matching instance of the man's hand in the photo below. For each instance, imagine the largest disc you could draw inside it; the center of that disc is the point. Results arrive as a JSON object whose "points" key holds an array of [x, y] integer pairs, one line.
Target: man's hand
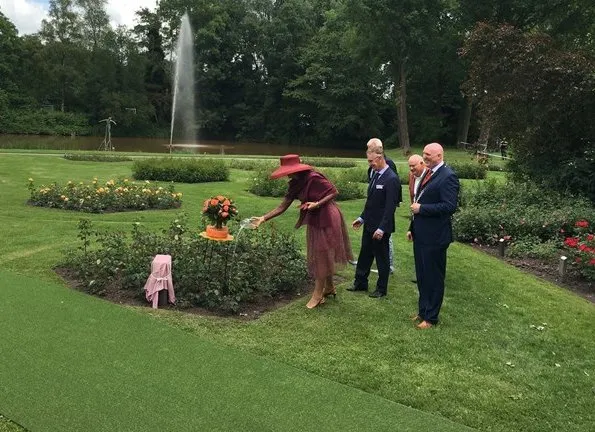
{"points": [[409, 236], [415, 208], [356, 224], [378, 234]]}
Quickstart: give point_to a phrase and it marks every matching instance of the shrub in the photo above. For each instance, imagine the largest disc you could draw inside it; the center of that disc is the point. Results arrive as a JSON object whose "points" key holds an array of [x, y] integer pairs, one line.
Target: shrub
{"points": [[262, 185], [329, 162], [97, 157], [533, 247], [205, 273], [181, 170], [580, 246], [490, 211], [475, 171], [250, 164], [113, 196]]}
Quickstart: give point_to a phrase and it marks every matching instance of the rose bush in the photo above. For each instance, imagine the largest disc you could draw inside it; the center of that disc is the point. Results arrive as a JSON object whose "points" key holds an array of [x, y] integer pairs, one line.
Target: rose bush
{"points": [[111, 196], [580, 246]]}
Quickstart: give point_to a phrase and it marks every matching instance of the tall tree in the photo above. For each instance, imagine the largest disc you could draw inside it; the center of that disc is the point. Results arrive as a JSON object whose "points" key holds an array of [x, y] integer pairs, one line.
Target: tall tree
{"points": [[395, 34], [156, 78], [9, 55], [62, 35]]}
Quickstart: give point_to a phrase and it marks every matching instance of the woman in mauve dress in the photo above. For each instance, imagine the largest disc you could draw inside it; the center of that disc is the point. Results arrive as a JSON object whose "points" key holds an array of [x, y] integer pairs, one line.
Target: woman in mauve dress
{"points": [[327, 240]]}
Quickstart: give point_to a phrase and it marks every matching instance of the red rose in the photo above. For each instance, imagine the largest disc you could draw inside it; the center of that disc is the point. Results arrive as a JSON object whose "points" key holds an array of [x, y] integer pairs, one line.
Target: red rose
{"points": [[592, 261], [571, 242], [582, 224], [224, 215], [590, 237], [225, 208]]}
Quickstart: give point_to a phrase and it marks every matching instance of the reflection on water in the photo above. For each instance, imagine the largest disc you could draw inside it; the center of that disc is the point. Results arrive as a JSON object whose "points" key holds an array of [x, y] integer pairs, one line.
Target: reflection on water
{"points": [[161, 145]]}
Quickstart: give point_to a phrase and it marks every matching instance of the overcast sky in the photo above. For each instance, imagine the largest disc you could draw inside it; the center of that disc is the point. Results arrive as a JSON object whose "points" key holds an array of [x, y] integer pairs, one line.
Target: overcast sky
{"points": [[26, 15]]}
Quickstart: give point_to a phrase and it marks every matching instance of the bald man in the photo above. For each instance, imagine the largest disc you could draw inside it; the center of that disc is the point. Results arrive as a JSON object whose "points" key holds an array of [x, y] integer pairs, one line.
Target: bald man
{"points": [[434, 202], [417, 170]]}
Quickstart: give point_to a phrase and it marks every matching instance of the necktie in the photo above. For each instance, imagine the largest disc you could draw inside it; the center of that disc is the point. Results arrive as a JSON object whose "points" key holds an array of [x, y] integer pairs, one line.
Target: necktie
{"points": [[427, 177], [373, 181], [423, 182]]}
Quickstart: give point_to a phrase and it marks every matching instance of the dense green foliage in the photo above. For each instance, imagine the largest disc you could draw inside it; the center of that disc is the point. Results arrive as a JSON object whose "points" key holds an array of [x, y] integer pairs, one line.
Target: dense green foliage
{"points": [[298, 71], [322, 72], [180, 170], [205, 273], [542, 98]]}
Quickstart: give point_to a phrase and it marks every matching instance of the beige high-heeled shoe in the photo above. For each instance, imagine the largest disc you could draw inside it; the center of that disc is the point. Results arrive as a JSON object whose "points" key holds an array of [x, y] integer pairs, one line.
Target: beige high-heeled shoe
{"points": [[311, 305]]}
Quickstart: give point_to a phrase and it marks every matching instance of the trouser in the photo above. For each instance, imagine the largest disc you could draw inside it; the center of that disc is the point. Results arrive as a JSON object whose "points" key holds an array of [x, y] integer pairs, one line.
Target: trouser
{"points": [[373, 249], [430, 270]]}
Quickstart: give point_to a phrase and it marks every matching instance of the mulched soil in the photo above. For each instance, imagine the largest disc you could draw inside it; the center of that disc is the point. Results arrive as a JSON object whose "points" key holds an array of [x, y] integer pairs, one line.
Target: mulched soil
{"points": [[253, 310], [249, 311], [572, 281]]}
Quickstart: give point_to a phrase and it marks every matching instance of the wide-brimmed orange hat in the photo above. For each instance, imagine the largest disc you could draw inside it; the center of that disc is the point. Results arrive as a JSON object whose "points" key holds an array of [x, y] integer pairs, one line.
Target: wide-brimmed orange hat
{"points": [[290, 164]]}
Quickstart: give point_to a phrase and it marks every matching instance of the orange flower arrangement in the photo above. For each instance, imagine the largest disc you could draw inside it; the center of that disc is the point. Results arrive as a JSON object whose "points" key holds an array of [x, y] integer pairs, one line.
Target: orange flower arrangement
{"points": [[219, 210]]}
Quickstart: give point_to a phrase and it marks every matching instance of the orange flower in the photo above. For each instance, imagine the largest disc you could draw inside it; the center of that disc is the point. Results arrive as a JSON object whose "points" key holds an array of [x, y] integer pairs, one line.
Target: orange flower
{"points": [[226, 202], [214, 202], [225, 207], [220, 197]]}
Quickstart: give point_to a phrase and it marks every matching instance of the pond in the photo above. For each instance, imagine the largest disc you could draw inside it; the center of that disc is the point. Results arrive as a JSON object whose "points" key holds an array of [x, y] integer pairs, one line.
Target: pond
{"points": [[161, 145]]}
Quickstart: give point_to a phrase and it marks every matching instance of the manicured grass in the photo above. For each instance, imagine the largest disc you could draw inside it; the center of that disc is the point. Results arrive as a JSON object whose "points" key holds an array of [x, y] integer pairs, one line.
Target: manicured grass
{"points": [[82, 364], [484, 366]]}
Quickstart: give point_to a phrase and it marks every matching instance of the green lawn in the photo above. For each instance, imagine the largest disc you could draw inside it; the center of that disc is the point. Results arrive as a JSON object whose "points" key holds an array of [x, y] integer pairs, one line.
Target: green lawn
{"points": [[486, 366]]}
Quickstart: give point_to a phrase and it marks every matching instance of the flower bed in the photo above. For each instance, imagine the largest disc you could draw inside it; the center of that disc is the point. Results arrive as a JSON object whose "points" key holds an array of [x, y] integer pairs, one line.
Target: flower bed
{"points": [[261, 264], [111, 196]]}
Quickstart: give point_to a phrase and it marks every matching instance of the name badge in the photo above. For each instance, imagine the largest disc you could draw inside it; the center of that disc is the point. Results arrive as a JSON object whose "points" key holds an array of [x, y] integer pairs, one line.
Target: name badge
{"points": [[379, 186]]}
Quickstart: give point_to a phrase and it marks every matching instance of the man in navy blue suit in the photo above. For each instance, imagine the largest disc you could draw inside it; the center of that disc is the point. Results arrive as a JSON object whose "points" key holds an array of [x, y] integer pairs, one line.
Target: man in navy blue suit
{"points": [[434, 202], [375, 142], [378, 220]]}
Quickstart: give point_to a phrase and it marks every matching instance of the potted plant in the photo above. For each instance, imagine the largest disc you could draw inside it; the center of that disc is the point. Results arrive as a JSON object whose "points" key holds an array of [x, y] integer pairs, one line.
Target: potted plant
{"points": [[218, 210]]}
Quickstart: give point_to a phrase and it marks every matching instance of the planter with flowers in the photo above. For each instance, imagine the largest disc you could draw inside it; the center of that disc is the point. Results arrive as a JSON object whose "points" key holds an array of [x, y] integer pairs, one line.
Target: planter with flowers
{"points": [[218, 210]]}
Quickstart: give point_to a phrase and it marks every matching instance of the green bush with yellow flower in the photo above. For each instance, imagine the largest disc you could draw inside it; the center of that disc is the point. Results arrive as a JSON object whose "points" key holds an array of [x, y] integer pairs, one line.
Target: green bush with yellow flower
{"points": [[111, 196]]}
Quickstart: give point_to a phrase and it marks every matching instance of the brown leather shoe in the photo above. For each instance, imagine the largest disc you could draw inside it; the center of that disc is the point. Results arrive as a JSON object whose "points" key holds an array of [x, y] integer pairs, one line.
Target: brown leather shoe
{"points": [[424, 325], [416, 317]]}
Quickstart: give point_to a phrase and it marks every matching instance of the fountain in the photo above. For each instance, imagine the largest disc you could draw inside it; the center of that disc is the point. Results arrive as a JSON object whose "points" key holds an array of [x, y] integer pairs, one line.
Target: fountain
{"points": [[182, 115]]}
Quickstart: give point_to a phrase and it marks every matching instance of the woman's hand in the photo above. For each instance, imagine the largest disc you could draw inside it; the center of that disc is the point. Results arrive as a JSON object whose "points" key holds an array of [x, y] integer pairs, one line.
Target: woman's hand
{"points": [[310, 205], [256, 221]]}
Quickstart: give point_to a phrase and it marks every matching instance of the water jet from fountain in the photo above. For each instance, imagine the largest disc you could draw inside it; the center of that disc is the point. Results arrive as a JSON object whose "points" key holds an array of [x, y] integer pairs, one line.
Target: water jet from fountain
{"points": [[182, 115]]}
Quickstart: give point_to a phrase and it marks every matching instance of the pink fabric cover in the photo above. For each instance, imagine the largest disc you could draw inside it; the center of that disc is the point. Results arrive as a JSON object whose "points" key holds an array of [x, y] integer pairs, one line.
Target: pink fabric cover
{"points": [[160, 279]]}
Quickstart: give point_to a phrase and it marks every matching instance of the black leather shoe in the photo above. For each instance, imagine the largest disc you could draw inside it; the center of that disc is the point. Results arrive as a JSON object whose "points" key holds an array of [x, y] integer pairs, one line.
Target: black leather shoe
{"points": [[357, 288], [377, 294]]}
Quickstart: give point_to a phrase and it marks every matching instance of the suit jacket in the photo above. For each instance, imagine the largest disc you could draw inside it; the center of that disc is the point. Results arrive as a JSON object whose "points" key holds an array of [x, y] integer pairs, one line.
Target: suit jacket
{"points": [[379, 210], [392, 166], [438, 199]]}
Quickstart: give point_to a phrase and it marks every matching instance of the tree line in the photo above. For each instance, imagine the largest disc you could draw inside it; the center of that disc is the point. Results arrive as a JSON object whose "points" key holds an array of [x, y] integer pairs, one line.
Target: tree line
{"points": [[328, 72]]}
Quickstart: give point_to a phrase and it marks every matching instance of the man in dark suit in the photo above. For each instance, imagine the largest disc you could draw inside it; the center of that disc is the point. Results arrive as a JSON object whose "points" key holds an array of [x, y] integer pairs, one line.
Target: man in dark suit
{"points": [[434, 202], [375, 142], [378, 219]]}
